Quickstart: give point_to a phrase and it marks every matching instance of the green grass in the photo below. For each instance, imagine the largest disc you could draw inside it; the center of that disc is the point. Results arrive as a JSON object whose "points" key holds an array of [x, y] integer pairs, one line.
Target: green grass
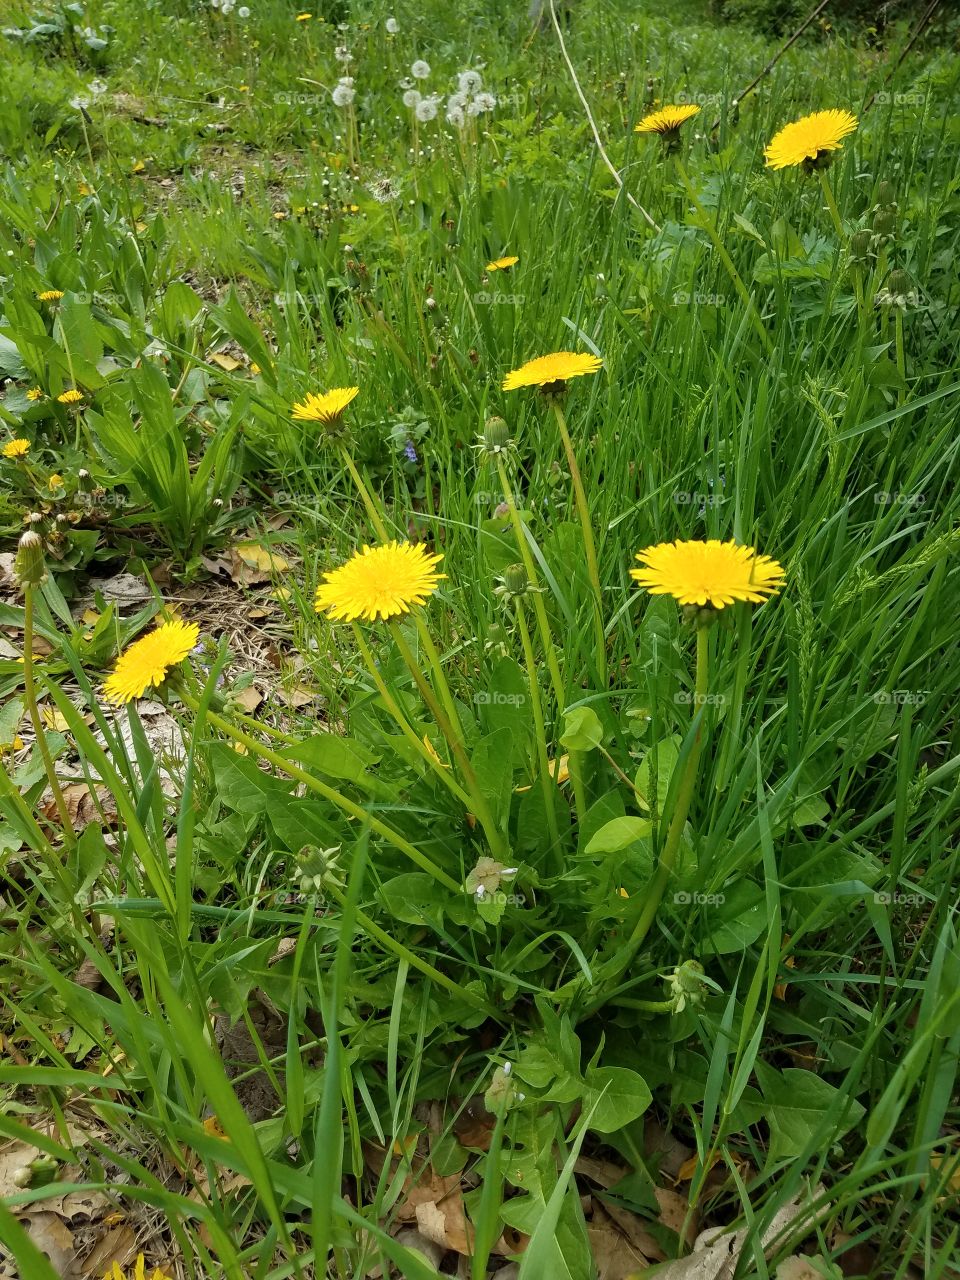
{"points": [[813, 794]]}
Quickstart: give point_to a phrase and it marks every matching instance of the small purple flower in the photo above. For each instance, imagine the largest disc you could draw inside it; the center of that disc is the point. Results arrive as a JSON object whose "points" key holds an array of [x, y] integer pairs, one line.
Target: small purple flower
{"points": [[410, 451]]}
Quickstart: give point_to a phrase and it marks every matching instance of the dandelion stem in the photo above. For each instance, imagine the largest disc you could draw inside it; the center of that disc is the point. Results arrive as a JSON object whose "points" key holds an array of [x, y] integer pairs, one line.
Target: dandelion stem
{"points": [[495, 837], [668, 855], [69, 834], [831, 203], [543, 623], [735, 278], [403, 724], [589, 545], [901, 355], [375, 518], [329, 793], [546, 781]]}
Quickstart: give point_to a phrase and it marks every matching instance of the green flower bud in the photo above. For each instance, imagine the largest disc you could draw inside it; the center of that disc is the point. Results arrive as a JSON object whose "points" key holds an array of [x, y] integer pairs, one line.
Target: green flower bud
{"points": [[496, 438], [85, 481], [514, 582], [687, 985], [861, 246], [886, 195], [28, 567], [884, 223], [899, 291]]}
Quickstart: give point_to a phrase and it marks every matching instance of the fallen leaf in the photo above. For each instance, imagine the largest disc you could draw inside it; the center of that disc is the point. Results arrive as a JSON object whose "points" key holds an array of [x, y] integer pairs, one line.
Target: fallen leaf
{"points": [[118, 1246], [249, 699], [298, 696], [224, 361], [615, 1255], [53, 1237], [83, 806], [445, 1223], [252, 562]]}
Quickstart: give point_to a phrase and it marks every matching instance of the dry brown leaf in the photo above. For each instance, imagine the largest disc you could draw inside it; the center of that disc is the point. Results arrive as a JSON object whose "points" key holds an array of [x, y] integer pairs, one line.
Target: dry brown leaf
{"points": [[53, 1237], [445, 1223], [615, 1255], [716, 1253], [298, 696], [798, 1268], [673, 1212], [83, 806], [252, 562], [669, 1152], [249, 699], [119, 1246], [603, 1172], [689, 1167]]}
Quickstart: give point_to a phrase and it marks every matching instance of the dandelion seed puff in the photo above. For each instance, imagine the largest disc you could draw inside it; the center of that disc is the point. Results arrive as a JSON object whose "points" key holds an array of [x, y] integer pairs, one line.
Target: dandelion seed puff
{"points": [[412, 98], [243, 12], [427, 110], [346, 81], [420, 69], [342, 53], [485, 102], [455, 116], [469, 81], [456, 102], [392, 26], [343, 95]]}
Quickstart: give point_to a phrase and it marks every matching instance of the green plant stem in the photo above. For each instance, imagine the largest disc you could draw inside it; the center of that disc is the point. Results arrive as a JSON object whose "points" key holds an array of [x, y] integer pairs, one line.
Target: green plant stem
{"points": [[589, 546], [442, 772], [735, 277], [375, 518], [329, 793], [671, 846], [539, 609], [831, 203], [495, 837], [547, 783], [575, 765], [69, 835], [901, 355]]}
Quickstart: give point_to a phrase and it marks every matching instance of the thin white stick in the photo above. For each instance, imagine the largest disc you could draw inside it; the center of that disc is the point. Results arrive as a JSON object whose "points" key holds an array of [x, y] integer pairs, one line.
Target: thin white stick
{"points": [[586, 107]]}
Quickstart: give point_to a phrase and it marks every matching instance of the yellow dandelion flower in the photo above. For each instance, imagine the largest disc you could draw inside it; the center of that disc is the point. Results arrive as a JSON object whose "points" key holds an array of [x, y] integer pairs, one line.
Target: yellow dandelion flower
{"points": [[667, 120], [379, 582], [810, 140], [139, 1272], [148, 660], [502, 264], [254, 368], [548, 371], [34, 394], [55, 481], [50, 295], [710, 573], [328, 407], [304, 17], [18, 448], [73, 396]]}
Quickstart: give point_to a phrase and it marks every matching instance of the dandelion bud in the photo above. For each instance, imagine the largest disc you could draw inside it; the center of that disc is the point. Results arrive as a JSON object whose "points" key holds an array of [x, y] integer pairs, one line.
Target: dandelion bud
{"points": [[28, 567], [861, 245], [85, 481], [496, 437], [687, 986], [514, 582], [884, 223], [886, 195], [898, 292]]}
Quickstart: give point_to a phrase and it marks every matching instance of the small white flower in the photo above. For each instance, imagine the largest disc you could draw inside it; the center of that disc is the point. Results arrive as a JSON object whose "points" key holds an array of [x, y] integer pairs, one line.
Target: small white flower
{"points": [[392, 26], [427, 109], [420, 69], [485, 101], [343, 95], [342, 53], [469, 81], [412, 99]]}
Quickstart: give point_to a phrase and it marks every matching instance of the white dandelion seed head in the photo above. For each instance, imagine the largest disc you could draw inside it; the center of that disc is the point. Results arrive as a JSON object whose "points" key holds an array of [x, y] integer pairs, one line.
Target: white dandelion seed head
{"points": [[392, 26], [227, 6], [342, 53], [455, 116], [427, 109], [79, 103], [97, 87], [420, 69], [412, 98], [346, 81], [485, 101], [469, 81], [243, 12], [343, 95], [473, 108], [384, 190]]}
